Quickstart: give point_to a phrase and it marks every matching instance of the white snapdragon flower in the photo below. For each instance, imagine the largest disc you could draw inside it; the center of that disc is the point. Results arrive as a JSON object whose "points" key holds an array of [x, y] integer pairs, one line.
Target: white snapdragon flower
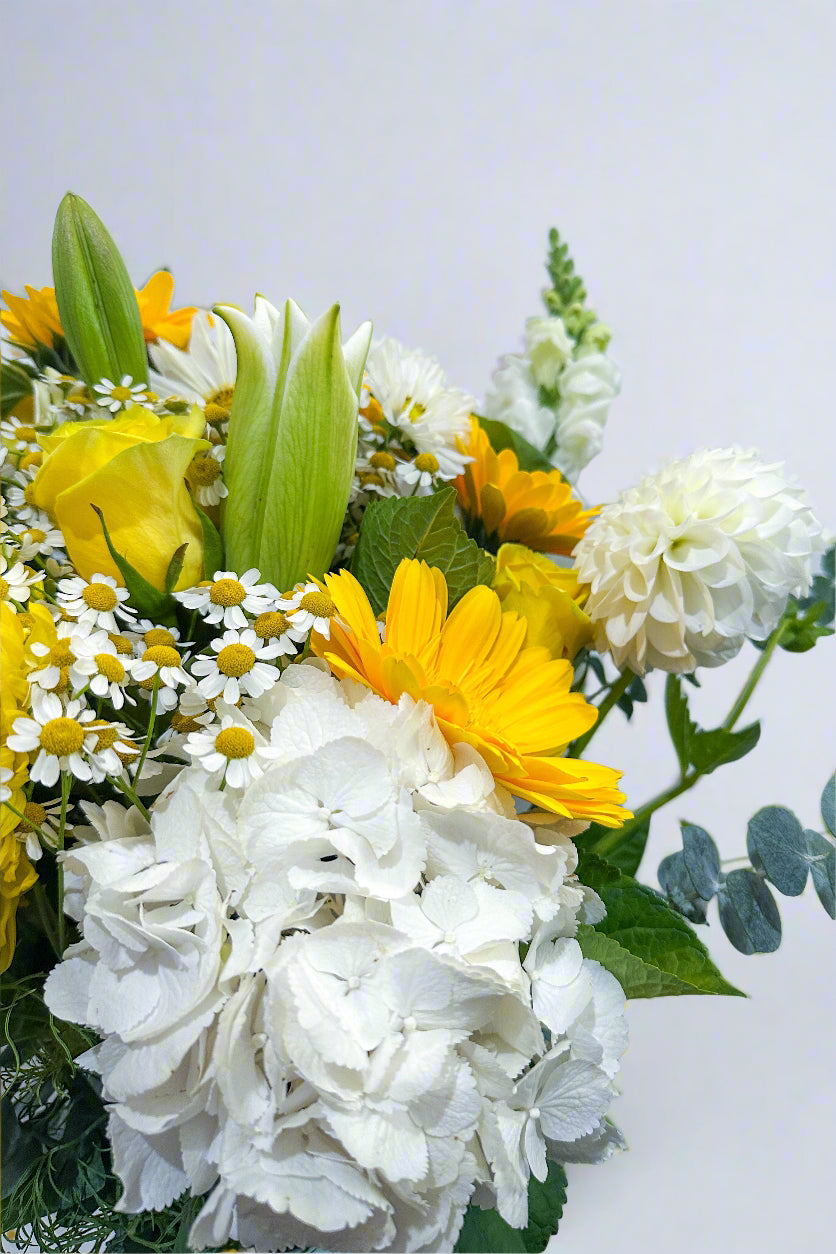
{"points": [[549, 347], [515, 400], [588, 384], [692, 561]]}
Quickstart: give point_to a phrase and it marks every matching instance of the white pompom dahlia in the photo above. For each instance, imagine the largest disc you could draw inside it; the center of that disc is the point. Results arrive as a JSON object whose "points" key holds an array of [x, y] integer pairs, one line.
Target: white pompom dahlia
{"points": [[690, 562]]}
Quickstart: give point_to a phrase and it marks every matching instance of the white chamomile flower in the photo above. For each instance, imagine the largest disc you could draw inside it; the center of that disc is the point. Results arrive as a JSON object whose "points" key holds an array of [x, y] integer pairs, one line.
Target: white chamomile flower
{"points": [[308, 608], [273, 625], [98, 666], [204, 373], [115, 750], [146, 634], [16, 582], [96, 601], [38, 536], [39, 827], [22, 435], [18, 490], [204, 475], [53, 661], [233, 746], [6, 776], [61, 734], [182, 723], [240, 667], [226, 598], [161, 667], [419, 473], [121, 395]]}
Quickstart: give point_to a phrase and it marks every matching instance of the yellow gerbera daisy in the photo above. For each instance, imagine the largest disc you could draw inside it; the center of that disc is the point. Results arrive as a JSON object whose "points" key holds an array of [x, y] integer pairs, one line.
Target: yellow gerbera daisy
{"points": [[511, 703], [34, 319], [530, 507]]}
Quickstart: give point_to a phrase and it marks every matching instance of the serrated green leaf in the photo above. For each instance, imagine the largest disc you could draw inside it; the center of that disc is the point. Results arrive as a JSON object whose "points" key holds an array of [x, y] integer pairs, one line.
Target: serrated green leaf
{"points": [[702, 861], [776, 842], [680, 725], [647, 946], [748, 913], [822, 856], [96, 299], [710, 749], [486, 1232], [828, 805], [15, 385], [502, 436], [417, 527], [160, 607], [626, 857], [213, 545]]}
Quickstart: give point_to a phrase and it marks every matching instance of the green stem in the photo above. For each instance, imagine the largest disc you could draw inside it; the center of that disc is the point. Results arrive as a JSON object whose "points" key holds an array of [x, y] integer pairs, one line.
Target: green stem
{"points": [[755, 674], [131, 795], [615, 694], [613, 839], [48, 917], [152, 716], [66, 785]]}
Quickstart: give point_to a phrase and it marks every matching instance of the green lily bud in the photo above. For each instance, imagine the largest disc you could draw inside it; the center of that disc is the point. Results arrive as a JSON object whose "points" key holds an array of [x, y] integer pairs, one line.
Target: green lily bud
{"points": [[96, 299], [292, 440]]}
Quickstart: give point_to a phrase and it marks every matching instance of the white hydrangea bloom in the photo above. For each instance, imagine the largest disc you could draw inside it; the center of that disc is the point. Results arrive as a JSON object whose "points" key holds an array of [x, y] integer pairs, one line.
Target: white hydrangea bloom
{"points": [[310, 994], [692, 561]]}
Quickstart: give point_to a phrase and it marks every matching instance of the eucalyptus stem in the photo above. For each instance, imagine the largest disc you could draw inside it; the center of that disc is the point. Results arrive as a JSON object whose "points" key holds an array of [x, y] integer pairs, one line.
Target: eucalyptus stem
{"points": [[613, 696]]}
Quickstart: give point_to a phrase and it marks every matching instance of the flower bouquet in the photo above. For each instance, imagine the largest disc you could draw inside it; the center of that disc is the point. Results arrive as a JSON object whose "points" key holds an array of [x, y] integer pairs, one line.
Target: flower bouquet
{"points": [[318, 919]]}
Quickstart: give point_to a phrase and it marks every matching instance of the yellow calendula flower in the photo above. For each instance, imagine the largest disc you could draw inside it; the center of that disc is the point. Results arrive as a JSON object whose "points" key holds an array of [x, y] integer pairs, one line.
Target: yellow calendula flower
{"points": [[158, 321], [14, 690], [548, 597], [535, 508], [16, 875], [510, 702], [132, 468], [33, 319]]}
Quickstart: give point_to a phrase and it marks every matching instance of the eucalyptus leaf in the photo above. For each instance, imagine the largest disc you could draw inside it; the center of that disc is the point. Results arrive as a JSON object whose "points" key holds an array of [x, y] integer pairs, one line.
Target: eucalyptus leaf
{"points": [[701, 860], [748, 913], [417, 527], [679, 887], [776, 842], [822, 855], [828, 805]]}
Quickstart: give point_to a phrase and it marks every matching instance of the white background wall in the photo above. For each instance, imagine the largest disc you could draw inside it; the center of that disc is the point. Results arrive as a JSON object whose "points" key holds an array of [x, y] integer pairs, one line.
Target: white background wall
{"points": [[408, 159]]}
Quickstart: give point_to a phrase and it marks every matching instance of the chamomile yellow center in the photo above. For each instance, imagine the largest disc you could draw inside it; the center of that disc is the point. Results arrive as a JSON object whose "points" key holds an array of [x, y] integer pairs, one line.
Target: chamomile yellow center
{"points": [[271, 625], [182, 723], [222, 398], [4, 588], [63, 680], [62, 736], [100, 596], [29, 494], [110, 667], [34, 535], [227, 592], [317, 603], [235, 660], [426, 461], [33, 458], [27, 434], [203, 470], [369, 477], [382, 461], [60, 654], [157, 636], [235, 742], [161, 655], [121, 394], [121, 643], [34, 815]]}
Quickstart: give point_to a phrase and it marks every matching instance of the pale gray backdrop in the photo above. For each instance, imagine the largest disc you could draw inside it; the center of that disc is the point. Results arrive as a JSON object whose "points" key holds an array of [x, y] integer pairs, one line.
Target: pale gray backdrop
{"points": [[408, 160]]}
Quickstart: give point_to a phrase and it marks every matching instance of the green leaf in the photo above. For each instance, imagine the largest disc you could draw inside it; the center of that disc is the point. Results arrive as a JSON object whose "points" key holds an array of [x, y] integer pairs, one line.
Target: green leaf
{"points": [[213, 545], [160, 607], [96, 299], [636, 693], [422, 527], [702, 861], [710, 749], [680, 725], [828, 805], [776, 842], [15, 385], [502, 436], [679, 887], [748, 913], [822, 855], [486, 1232], [175, 567], [647, 946]]}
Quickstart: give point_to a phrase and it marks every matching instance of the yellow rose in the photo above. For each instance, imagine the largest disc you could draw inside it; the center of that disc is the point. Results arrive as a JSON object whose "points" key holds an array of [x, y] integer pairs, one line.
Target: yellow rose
{"points": [[132, 468], [548, 596]]}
